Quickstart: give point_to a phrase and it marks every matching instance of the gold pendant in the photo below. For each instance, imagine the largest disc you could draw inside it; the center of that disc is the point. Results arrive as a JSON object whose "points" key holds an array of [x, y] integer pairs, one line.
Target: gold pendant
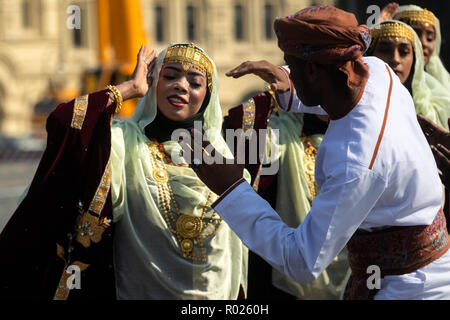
{"points": [[187, 246], [309, 168], [189, 226], [160, 175], [186, 67]]}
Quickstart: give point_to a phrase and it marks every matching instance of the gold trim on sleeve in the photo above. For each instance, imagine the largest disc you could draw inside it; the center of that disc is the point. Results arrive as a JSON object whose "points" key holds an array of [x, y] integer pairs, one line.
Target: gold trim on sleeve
{"points": [[79, 112], [248, 118], [98, 202]]}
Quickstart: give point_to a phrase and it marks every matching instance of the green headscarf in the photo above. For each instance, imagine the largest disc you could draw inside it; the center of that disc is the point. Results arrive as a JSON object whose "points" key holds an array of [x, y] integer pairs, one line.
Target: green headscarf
{"points": [[431, 99], [435, 67]]}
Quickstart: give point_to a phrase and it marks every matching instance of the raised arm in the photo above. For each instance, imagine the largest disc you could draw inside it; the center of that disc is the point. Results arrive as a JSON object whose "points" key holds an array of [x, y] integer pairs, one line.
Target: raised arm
{"points": [[279, 81]]}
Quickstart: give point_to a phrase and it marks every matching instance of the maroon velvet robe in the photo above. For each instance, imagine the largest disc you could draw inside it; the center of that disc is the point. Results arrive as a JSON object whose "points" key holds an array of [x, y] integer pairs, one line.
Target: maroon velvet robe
{"points": [[69, 172]]}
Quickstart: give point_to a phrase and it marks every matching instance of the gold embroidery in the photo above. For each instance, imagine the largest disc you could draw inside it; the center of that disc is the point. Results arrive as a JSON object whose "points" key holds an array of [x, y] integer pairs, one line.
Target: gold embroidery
{"points": [[98, 202], [88, 229], [79, 112], [257, 179], [248, 119], [62, 291]]}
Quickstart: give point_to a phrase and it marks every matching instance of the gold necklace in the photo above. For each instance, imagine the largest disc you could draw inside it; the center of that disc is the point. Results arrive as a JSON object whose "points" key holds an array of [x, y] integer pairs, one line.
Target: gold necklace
{"points": [[310, 161], [189, 229]]}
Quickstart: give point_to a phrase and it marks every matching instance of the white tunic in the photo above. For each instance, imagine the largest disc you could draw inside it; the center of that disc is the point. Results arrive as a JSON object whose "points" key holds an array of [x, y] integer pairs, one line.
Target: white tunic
{"points": [[400, 188]]}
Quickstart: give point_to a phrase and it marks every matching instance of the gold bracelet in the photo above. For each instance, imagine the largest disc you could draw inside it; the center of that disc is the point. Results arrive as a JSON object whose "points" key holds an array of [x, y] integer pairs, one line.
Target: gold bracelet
{"points": [[117, 96]]}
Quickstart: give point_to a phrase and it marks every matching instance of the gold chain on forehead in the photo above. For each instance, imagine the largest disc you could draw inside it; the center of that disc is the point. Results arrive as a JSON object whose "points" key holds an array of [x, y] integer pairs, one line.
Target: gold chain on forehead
{"points": [[424, 16], [392, 30], [190, 55]]}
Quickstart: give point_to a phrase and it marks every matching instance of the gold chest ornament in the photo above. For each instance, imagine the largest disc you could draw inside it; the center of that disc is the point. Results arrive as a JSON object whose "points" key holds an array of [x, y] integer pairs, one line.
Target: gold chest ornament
{"points": [[189, 229]]}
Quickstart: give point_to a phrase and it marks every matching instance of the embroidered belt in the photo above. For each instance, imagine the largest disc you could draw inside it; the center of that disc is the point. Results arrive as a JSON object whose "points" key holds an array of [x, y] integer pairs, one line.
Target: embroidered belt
{"points": [[396, 251]]}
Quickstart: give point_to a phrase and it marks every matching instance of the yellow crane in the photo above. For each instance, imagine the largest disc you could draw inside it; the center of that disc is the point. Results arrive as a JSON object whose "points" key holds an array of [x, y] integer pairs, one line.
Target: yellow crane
{"points": [[121, 33]]}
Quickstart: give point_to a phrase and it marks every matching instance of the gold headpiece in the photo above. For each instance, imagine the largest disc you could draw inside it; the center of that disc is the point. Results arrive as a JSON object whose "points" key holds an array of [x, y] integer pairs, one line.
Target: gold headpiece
{"points": [[394, 30], [189, 54], [424, 16]]}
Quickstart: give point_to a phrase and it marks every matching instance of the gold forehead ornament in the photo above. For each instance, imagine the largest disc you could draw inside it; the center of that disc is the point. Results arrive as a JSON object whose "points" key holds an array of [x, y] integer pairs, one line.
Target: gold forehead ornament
{"points": [[392, 30], [425, 16], [189, 55]]}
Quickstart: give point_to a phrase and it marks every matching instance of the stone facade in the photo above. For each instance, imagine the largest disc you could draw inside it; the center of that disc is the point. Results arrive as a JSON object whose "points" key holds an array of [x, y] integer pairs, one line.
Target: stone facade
{"points": [[38, 51]]}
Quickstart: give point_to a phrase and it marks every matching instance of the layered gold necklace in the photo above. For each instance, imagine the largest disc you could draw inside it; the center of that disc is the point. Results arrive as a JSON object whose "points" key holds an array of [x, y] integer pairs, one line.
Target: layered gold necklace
{"points": [[189, 229]]}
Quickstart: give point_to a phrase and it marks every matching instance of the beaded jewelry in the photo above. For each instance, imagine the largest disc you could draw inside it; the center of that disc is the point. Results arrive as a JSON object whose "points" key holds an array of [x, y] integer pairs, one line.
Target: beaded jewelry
{"points": [[188, 229]]}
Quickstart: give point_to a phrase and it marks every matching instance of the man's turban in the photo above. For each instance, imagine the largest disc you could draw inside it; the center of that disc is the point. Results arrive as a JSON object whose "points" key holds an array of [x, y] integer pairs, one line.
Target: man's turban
{"points": [[326, 35]]}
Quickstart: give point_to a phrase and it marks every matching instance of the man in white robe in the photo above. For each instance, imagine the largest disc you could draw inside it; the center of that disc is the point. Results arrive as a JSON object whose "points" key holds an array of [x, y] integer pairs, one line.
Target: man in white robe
{"points": [[374, 168]]}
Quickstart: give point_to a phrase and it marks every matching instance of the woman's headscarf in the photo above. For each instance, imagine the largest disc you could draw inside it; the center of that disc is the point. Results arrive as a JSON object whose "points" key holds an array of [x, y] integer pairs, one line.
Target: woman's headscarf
{"points": [[435, 67], [146, 109], [431, 99], [326, 35]]}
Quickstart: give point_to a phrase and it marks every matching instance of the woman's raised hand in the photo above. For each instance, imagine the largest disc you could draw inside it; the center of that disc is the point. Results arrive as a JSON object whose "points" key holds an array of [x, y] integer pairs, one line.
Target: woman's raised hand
{"points": [[389, 11], [140, 80], [141, 75]]}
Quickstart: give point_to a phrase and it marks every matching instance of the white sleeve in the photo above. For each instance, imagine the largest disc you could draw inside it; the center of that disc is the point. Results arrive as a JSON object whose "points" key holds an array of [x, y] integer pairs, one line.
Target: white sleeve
{"points": [[304, 252], [289, 100]]}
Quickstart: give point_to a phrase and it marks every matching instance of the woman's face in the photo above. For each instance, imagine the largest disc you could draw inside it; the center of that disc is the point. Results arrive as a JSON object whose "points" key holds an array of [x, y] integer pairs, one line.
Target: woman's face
{"points": [[397, 53], [180, 93], [427, 36]]}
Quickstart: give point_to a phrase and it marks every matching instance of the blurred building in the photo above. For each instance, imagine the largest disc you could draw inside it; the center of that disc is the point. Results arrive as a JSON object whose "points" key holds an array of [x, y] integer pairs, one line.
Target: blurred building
{"points": [[42, 60]]}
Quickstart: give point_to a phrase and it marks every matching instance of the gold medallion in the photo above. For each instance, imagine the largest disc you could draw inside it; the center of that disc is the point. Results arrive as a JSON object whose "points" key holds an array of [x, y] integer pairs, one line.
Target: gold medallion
{"points": [[160, 175], [309, 167], [189, 226]]}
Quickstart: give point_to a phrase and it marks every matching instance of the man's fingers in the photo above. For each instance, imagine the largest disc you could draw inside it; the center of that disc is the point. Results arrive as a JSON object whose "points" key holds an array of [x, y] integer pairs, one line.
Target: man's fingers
{"points": [[426, 125], [241, 70], [441, 159], [444, 150]]}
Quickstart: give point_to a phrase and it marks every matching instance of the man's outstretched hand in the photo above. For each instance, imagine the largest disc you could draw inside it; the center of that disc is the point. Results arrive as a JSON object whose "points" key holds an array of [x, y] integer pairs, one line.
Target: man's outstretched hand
{"points": [[217, 175], [434, 133], [273, 75]]}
